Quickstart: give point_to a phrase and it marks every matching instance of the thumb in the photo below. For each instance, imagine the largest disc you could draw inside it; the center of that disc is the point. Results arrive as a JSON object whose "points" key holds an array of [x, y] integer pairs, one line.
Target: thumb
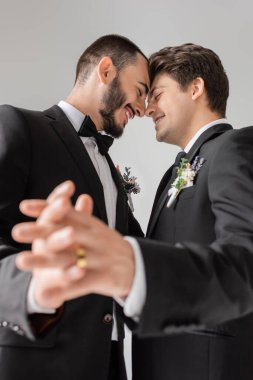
{"points": [[84, 204]]}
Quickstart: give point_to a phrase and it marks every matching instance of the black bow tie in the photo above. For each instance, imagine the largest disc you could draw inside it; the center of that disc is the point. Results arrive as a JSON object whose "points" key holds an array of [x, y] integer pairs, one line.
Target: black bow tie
{"points": [[88, 129]]}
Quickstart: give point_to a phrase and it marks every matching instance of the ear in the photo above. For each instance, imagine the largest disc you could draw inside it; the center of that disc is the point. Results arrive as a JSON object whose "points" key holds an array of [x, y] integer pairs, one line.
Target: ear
{"points": [[197, 88], [106, 70]]}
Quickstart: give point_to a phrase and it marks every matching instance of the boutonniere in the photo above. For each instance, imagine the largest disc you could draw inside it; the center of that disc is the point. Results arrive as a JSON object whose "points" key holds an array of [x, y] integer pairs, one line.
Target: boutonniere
{"points": [[185, 177], [130, 185]]}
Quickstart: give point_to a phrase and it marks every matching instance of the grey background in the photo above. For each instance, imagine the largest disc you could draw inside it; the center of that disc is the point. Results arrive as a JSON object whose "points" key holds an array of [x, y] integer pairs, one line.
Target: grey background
{"points": [[41, 42]]}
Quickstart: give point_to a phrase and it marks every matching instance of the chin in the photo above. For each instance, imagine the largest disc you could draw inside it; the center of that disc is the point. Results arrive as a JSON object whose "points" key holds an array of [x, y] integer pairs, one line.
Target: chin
{"points": [[159, 137], [120, 130], [115, 131]]}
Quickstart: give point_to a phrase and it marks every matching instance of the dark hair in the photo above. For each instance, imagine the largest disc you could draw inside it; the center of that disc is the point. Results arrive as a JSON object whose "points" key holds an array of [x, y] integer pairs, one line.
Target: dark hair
{"points": [[120, 49], [185, 63]]}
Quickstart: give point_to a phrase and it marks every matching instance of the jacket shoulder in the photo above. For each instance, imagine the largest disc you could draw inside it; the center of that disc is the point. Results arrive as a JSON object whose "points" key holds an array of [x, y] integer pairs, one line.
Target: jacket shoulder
{"points": [[213, 145], [16, 113]]}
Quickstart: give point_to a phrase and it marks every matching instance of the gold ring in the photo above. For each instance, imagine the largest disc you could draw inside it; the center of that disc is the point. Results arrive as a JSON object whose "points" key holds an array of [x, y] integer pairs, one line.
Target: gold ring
{"points": [[81, 260]]}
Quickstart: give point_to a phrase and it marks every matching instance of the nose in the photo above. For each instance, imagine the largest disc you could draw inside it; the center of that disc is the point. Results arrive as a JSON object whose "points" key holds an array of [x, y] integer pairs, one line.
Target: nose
{"points": [[140, 108], [150, 109]]}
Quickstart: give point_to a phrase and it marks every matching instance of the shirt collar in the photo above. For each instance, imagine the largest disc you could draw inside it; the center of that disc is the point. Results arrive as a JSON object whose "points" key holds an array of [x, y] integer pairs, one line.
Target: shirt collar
{"points": [[75, 116], [203, 129]]}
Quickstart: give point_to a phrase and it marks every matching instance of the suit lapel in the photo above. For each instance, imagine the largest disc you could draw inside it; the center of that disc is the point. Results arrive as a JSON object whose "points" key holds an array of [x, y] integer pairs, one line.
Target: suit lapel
{"points": [[162, 199], [75, 147], [158, 198], [167, 180], [121, 206]]}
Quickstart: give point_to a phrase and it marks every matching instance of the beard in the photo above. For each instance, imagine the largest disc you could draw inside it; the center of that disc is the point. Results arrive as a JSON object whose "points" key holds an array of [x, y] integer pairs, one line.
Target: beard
{"points": [[112, 100]]}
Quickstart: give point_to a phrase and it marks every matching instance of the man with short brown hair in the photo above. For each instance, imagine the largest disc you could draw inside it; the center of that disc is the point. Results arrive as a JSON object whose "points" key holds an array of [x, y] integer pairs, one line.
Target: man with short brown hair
{"points": [[193, 278]]}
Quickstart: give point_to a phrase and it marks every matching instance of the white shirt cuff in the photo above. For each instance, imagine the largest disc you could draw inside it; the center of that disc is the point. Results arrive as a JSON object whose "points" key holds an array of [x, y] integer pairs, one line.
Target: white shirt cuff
{"points": [[32, 306], [135, 301]]}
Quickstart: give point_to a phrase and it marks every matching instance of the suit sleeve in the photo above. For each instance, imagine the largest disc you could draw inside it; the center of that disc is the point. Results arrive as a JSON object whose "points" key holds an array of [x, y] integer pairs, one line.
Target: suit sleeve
{"points": [[192, 286], [15, 155]]}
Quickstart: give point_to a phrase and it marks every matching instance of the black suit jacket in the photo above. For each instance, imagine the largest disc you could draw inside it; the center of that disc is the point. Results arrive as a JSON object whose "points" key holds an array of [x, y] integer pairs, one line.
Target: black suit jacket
{"points": [[39, 150], [199, 269]]}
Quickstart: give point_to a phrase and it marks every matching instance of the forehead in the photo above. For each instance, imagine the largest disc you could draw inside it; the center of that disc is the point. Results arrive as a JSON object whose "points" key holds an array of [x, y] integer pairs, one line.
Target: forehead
{"points": [[162, 80], [137, 71]]}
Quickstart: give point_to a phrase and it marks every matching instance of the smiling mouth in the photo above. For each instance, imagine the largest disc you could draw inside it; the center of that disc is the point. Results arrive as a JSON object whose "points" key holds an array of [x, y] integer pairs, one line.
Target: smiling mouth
{"points": [[130, 113], [157, 120]]}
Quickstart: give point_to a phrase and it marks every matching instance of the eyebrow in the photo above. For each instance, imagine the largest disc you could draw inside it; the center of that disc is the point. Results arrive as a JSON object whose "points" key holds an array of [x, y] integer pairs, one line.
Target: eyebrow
{"points": [[155, 88], [145, 86]]}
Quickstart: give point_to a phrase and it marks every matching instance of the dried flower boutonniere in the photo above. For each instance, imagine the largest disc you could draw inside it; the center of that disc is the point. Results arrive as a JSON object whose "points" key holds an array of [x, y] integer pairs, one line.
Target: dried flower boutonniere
{"points": [[130, 185], [185, 177]]}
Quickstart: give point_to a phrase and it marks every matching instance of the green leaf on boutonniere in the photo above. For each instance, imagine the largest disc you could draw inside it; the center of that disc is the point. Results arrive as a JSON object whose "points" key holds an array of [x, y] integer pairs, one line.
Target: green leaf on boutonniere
{"points": [[185, 176]]}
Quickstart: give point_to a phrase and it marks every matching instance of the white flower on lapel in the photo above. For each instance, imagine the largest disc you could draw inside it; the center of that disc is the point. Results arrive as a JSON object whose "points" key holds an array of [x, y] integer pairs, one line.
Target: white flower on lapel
{"points": [[185, 177]]}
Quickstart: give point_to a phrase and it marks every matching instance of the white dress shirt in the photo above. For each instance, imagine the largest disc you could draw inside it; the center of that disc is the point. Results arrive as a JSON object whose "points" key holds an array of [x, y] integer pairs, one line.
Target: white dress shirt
{"points": [[135, 301], [110, 193]]}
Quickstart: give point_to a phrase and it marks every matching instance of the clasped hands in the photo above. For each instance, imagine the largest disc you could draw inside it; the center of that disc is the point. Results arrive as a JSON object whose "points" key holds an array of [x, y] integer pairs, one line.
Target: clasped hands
{"points": [[58, 231]]}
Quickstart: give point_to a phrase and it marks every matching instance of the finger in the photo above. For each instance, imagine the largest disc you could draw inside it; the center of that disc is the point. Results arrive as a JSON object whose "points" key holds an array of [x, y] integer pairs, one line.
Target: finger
{"points": [[84, 204], [75, 234], [66, 189], [32, 207], [47, 223], [90, 282], [79, 285], [55, 211], [74, 274], [52, 297], [61, 240], [46, 283], [56, 296], [74, 285], [27, 232], [26, 261], [21, 260], [54, 287]]}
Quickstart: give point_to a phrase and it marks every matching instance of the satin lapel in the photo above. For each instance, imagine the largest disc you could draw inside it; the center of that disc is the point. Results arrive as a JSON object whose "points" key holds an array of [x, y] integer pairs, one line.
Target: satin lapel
{"points": [[75, 147], [158, 199], [207, 135], [121, 206]]}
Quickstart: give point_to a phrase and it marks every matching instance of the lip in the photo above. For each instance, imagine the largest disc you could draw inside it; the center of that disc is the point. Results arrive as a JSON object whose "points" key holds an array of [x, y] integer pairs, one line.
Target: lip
{"points": [[129, 112], [157, 119]]}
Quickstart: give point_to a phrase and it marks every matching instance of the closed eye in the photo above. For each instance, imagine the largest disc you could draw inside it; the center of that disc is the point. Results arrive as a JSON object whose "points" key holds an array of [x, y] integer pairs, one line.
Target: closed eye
{"points": [[139, 92], [157, 96]]}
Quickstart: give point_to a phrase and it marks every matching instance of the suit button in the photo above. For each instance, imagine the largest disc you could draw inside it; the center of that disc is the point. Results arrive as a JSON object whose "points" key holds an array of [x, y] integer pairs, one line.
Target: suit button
{"points": [[108, 318]]}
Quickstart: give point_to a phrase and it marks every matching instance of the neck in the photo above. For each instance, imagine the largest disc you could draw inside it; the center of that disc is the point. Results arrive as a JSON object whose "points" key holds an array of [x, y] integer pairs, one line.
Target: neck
{"points": [[80, 97], [198, 122]]}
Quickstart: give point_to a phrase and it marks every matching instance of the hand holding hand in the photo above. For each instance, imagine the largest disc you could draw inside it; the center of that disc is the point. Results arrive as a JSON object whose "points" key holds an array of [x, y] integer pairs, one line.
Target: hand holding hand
{"points": [[60, 229]]}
